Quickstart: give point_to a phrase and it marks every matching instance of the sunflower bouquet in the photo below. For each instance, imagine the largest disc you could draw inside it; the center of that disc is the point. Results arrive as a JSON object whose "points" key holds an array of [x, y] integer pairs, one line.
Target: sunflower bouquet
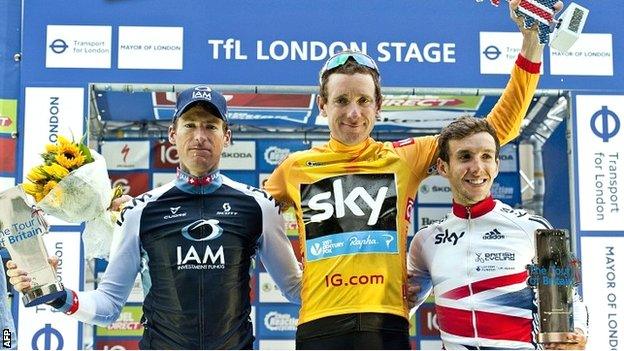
{"points": [[72, 184]]}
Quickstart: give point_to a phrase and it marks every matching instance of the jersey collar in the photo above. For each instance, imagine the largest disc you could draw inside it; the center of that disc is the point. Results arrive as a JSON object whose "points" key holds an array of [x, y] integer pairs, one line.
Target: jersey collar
{"points": [[477, 210], [198, 185], [337, 146]]}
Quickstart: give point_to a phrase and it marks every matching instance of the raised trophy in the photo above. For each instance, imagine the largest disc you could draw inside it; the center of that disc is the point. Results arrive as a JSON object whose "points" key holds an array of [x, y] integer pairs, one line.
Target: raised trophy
{"points": [[554, 276], [565, 30], [21, 230]]}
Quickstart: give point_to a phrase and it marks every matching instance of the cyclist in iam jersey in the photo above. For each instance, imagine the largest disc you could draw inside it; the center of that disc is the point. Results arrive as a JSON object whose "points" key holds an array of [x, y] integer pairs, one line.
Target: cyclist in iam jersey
{"points": [[192, 240], [353, 199], [476, 259]]}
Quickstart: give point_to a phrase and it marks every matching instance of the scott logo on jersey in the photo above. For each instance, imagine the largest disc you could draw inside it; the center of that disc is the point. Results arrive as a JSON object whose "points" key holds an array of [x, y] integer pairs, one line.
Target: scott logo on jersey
{"points": [[349, 214]]}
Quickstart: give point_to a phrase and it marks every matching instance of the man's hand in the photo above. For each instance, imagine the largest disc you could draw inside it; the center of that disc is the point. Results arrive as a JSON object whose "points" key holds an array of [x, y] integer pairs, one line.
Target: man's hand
{"points": [[116, 204], [412, 291], [19, 278], [531, 48], [579, 341]]}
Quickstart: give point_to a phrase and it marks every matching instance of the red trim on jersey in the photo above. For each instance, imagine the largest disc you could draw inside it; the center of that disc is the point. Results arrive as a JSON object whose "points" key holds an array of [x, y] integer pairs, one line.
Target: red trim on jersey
{"points": [[489, 325], [497, 282], [477, 210], [529, 66], [403, 142], [486, 284]]}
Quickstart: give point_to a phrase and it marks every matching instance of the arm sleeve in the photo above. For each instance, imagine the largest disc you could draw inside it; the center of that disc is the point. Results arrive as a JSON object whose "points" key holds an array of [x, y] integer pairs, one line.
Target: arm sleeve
{"points": [[103, 305], [506, 116], [277, 183], [276, 253], [419, 153], [418, 268]]}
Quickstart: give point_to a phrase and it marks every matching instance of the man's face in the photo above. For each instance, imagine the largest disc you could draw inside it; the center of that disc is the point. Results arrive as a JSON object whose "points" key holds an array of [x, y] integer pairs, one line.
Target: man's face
{"points": [[350, 107], [472, 167], [199, 137]]}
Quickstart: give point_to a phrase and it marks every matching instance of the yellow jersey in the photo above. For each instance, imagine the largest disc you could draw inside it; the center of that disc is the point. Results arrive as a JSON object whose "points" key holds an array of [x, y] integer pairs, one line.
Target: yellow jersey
{"points": [[354, 210]]}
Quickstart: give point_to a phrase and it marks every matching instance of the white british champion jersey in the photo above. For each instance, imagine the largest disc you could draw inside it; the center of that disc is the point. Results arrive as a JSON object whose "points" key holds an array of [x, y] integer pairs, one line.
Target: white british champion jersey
{"points": [[475, 261]]}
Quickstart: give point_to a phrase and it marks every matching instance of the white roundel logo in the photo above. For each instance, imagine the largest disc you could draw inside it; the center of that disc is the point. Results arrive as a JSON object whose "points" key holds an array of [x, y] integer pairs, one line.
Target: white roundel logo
{"points": [[273, 155]]}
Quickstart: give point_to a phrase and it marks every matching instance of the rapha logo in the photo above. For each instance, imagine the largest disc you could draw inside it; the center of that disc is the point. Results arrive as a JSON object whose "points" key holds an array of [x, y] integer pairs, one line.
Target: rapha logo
{"points": [[227, 210], [445, 237], [389, 239], [174, 213]]}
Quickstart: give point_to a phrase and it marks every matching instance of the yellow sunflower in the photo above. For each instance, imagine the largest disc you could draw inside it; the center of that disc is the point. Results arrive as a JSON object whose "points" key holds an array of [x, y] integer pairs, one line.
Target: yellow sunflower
{"points": [[38, 197], [49, 186], [63, 141], [51, 148], [69, 156], [36, 174], [56, 171], [32, 188]]}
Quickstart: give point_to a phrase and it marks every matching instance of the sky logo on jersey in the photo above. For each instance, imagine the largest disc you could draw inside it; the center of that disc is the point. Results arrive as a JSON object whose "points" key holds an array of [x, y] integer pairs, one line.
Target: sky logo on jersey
{"points": [[349, 214], [349, 203]]}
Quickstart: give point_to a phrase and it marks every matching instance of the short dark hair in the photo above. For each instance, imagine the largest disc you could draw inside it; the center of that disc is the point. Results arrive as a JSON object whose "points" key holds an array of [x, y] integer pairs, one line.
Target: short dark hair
{"points": [[461, 128], [351, 67]]}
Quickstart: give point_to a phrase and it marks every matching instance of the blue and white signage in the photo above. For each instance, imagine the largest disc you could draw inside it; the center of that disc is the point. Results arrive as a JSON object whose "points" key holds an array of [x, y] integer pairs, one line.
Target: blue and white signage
{"points": [[599, 147]]}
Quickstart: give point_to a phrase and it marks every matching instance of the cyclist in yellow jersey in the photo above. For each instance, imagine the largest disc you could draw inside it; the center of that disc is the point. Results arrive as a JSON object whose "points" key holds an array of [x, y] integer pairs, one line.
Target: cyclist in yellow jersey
{"points": [[353, 197]]}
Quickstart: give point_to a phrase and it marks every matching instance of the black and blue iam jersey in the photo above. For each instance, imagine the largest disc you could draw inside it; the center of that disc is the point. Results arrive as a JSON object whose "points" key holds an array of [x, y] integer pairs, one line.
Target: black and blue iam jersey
{"points": [[192, 240]]}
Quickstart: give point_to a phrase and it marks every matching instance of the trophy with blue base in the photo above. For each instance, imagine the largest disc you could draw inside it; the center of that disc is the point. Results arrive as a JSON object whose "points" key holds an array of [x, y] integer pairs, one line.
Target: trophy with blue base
{"points": [[553, 274], [21, 230]]}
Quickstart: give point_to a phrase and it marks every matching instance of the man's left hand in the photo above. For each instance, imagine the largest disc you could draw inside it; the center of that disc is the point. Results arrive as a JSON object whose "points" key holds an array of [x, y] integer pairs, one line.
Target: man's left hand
{"points": [[578, 338], [412, 292]]}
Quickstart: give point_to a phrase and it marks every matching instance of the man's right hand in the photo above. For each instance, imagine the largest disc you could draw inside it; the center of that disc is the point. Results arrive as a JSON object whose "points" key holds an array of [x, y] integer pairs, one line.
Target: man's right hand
{"points": [[531, 48], [19, 278]]}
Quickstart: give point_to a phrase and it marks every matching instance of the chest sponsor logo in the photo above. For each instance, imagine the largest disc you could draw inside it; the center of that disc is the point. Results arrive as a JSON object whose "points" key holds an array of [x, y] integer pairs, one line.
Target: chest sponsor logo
{"points": [[483, 257], [350, 243], [227, 210], [493, 235], [206, 257], [446, 237], [350, 214], [175, 213], [356, 202]]}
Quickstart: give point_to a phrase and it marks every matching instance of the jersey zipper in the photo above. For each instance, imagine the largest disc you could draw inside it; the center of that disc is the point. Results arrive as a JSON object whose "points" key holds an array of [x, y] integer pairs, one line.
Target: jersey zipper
{"points": [[200, 304], [468, 266]]}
